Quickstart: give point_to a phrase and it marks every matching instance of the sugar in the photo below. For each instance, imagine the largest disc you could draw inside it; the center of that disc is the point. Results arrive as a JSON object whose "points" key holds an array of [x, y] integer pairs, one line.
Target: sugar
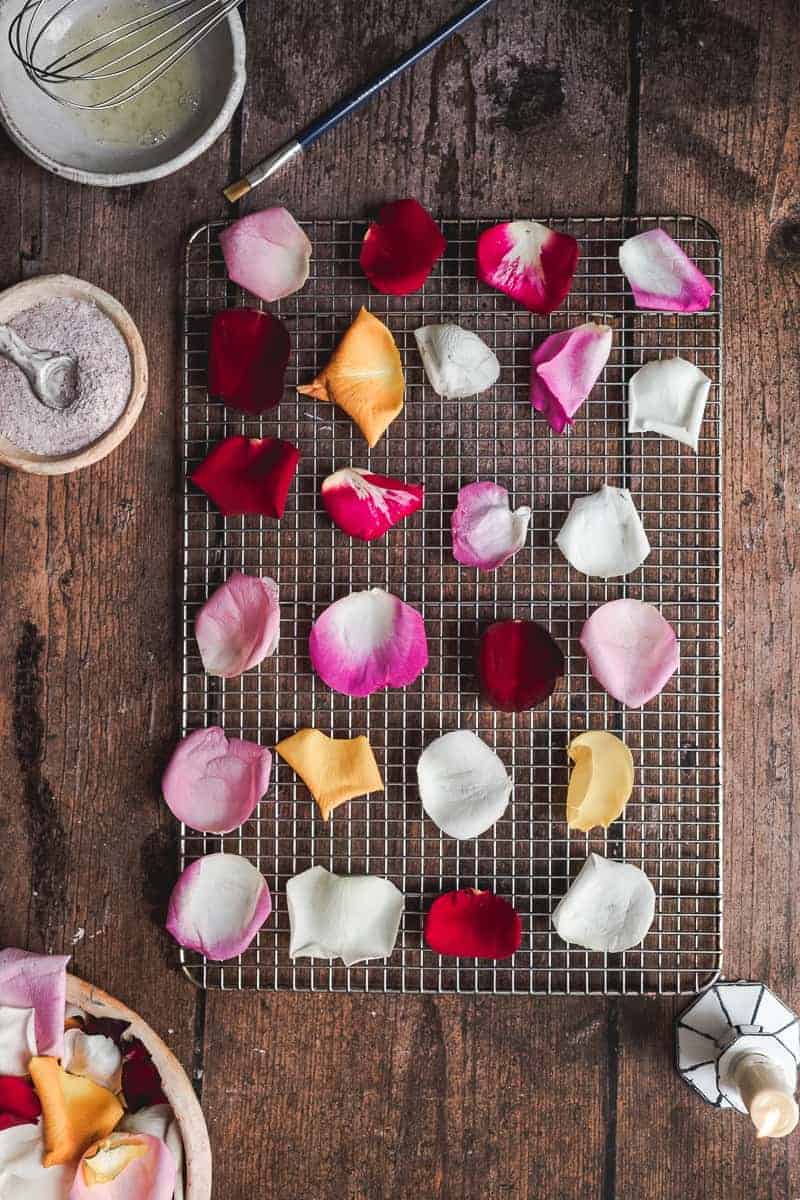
{"points": [[104, 378]]}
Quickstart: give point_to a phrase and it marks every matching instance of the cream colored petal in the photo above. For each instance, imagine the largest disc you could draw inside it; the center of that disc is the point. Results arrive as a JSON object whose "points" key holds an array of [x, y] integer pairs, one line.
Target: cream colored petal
{"points": [[601, 781]]}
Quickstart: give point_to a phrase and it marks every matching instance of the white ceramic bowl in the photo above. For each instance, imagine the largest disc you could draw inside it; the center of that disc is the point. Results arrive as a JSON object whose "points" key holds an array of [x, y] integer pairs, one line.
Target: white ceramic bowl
{"points": [[55, 136]]}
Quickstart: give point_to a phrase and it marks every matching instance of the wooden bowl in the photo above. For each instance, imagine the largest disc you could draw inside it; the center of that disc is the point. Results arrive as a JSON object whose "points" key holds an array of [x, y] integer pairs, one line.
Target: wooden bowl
{"points": [[174, 1080], [34, 291]]}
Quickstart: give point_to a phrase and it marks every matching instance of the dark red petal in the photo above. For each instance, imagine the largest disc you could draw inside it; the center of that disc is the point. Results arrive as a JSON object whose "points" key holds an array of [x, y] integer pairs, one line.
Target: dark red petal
{"points": [[247, 359], [141, 1082], [249, 475], [8, 1122], [519, 665], [108, 1027], [400, 248], [470, 924], [18, 1100]]}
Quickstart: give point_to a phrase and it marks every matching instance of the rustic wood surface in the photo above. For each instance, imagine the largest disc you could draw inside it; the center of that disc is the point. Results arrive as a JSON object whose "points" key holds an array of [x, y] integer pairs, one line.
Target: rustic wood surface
{"points": [[652, 105]]}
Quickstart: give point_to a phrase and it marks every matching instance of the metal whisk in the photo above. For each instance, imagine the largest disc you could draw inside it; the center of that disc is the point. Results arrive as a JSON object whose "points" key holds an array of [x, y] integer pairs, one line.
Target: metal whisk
{"points": [[136, 52]]}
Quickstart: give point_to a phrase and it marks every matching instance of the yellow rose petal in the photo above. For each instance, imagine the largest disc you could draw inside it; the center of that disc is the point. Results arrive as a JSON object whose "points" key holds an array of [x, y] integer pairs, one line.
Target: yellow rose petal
{"points": [[333, 769], [601, 781], [75, 1111]]}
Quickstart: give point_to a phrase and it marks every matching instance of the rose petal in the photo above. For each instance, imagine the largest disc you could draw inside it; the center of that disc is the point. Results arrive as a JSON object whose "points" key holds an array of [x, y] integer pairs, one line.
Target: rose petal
{"points": [[463, 784], [267, 253], [632, 650], [352, 917], [485, 531], [213, 784], [248, 475], [603, 535], [126, 1166], [367, 641], [565, 368], [401, 248], [601, 781], [661, 275], [610, 906], [456, 361], [93, 1055], [18, 1100], [141, 1082], [247, 359], [75, 1111], [472, 924], [364, 377], [37, 981], [159, 1121], [334, 770], [367, 505], [238, 626], [17, 1039], [218, 906], [529, 262], [519, 665], [22, 1174], [668, 396]]}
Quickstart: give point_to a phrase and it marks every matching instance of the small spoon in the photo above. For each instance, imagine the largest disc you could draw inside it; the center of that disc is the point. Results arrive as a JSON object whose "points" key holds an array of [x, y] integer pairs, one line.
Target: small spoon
{"points": [[53, 377]]}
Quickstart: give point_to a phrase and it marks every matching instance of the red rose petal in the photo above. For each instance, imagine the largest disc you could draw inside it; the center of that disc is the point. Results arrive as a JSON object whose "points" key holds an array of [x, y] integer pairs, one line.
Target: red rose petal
{"points": [[248, 475], [529, 262], [141, 1082], [401, 248], [247, 359], [472, 924], [19, 1104], [365, 505], [519, 665]]}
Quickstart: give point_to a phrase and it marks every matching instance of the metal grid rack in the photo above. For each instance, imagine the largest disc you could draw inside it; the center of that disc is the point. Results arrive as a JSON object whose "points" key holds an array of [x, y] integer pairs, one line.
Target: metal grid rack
{"points": [[671, 827]]}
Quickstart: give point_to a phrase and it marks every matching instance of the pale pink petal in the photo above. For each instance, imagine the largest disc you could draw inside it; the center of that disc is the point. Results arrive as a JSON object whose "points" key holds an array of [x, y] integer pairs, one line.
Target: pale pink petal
{"points": [[212, 783], [366, 505], [529, 262], [662, 276], [218, 906], [485, 530], [238, 626], [125, 1166], [37, 981], [267, 253], [366, 641], [632, 650], [566, 366]]}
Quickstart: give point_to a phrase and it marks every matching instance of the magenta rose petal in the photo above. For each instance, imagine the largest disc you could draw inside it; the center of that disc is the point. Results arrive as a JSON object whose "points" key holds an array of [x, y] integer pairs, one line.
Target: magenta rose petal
{"points": [[565, 368], [213, 783], [519, 665], [529, 262], [662, 276], [367, 641], [37, 981], [632, 650], [126, 1166], [237, 627], [267, 253], [218, 906], [366, 505], [485, 531]]}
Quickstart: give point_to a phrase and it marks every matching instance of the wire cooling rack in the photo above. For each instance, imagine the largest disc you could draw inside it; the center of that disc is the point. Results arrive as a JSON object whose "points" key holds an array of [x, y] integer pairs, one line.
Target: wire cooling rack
{"points": [[671, 826]]}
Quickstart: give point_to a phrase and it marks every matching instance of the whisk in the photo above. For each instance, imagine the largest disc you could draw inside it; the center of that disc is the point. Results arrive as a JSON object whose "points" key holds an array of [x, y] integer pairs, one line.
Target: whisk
{"points": [[130, 57]]}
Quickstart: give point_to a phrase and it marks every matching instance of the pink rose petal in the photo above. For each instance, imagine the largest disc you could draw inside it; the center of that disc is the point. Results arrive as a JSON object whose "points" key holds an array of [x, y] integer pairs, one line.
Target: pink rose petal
{"points": [[366, 641], [662, 276], [485, 530], [367, 505], [267, 253], [213, 784], [126, 1166], [237, 627], [566, 366], [37, 981], [529, 262], [218, 906], [632, 650]]}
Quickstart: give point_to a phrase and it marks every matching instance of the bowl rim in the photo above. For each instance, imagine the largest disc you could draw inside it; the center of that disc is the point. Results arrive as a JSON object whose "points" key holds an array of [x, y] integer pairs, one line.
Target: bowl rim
{"points": [[147, 174], [21, 296]]}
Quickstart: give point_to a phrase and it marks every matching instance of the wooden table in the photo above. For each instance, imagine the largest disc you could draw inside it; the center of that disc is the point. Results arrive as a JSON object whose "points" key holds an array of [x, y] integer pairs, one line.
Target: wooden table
{"points": [[593, 106]]}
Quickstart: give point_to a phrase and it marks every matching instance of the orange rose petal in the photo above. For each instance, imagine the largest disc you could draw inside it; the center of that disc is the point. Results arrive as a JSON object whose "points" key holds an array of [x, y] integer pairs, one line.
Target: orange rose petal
{"points": [[333, 769], [364, 377], [75, 1111]]}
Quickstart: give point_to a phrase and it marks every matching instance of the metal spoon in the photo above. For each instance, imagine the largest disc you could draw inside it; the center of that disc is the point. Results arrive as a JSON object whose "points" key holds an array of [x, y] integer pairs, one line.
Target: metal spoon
{"points": [[53, 377]]}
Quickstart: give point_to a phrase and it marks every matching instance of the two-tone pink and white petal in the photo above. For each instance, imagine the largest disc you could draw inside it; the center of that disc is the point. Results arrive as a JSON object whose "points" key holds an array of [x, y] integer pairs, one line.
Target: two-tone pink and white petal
{"points": [[159, 1121], [218, 906], [37, 981], [367, 641], [662, 276], [213, 783], [529, 262], [126, 1166], [566, 366], [17, 1039], [238, 626], [632, 650], [485, 530], [367, 505], [267, 253]]}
